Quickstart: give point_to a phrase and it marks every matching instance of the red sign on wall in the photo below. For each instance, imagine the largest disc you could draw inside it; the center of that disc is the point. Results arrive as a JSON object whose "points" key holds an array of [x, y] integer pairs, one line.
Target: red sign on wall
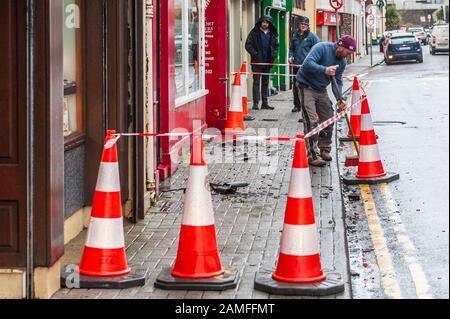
{"points": [[327, 18], [216, 64]]}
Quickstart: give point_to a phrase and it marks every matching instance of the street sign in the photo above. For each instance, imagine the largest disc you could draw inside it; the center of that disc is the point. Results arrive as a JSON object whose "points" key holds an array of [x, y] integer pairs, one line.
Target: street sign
{"points": [[336, 4], [370, 21]]}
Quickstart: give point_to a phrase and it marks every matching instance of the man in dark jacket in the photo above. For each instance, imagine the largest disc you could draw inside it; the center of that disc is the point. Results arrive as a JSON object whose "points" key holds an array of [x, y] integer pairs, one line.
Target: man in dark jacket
{"points": [[262, 44], [302, 42]]}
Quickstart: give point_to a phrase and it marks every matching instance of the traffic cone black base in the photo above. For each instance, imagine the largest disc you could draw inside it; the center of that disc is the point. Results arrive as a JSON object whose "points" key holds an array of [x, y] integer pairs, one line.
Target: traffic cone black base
{"points": [[229, 280], [332, 285], [390, 177], [70, 278]]}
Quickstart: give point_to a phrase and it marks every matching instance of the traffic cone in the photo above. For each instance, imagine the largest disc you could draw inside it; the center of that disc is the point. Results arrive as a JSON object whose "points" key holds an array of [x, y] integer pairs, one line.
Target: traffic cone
{"points": [[299, 261], [370, 164], [299, 257], [355, 118], [104, 261], [104, 252], [235, 118], [370, 167], [244, 88], [197, 265]]}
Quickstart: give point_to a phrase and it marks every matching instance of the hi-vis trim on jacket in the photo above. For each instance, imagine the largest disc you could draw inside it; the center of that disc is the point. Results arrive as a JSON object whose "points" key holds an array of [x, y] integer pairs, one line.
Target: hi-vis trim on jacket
{"points": [[300, 183], [236, 99], [299, 240], [369, 154], [108, 178], [105, 233], [198, 208], [366, 122]]}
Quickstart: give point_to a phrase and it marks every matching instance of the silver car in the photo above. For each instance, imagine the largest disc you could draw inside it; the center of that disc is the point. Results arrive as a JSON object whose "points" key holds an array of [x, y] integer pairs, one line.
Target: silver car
{"points": [[439, 39], [420, 34]]}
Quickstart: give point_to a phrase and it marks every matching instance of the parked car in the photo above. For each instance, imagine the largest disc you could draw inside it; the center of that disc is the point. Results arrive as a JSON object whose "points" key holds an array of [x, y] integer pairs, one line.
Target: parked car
{"points": [[420, 33], [439, 39], [403, 47]]}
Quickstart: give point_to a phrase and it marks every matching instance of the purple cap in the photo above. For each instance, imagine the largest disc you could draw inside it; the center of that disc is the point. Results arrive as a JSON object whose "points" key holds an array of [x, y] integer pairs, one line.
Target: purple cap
{"points": [[349, 42]]}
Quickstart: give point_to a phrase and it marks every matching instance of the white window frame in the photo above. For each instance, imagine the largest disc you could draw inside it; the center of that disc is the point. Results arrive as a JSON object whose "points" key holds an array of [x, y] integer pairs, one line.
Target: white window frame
{"points": [[189, 97]]}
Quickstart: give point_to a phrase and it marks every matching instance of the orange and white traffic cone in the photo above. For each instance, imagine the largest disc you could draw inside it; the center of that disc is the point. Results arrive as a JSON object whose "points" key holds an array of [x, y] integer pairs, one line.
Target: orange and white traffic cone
{"points": [[235, 118], [355, 117], [370, 167], [354, 131], [299, 261], [104, 252], [244, 88], [197, 266]]}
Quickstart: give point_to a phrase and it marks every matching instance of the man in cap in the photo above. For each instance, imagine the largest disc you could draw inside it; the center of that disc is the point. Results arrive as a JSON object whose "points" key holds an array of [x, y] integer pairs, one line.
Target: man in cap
{"points": [[302, 42], [326, 60], [262, 45]]}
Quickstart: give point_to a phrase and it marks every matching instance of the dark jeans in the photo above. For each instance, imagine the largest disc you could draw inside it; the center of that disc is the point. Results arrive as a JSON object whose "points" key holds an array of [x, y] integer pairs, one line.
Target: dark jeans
{"points": [[294, 89], [261, 86]]}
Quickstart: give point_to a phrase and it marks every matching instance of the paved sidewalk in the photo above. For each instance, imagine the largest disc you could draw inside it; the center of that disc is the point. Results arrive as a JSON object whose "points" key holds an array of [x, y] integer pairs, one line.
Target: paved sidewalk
{"points": [[248, 224]]}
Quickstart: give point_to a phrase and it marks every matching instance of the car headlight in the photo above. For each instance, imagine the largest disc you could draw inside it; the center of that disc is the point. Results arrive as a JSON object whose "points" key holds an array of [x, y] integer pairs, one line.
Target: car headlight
{"points": [[391, 57]]}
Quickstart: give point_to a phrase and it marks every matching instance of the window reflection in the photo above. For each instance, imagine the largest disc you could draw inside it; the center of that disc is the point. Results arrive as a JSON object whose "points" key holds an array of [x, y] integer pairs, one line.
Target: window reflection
{"points": [[72, 68]]}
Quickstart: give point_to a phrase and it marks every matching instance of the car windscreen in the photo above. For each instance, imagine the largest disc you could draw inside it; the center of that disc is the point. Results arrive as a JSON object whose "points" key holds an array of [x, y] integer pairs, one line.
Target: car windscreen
{"points": [[403, 40]]}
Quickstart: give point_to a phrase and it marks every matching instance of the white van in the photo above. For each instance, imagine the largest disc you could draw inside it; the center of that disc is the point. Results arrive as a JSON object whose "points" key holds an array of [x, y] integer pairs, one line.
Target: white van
{"points": [[439, 39]]}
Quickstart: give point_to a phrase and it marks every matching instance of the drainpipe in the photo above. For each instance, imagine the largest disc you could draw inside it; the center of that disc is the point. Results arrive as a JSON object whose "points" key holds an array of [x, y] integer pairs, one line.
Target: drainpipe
{"points": [[29, 280], [105, 69]]}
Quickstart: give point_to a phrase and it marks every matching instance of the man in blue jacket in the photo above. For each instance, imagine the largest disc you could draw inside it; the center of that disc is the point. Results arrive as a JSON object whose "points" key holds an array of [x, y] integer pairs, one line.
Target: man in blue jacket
{"points": [[325, 60], [302, 42]]}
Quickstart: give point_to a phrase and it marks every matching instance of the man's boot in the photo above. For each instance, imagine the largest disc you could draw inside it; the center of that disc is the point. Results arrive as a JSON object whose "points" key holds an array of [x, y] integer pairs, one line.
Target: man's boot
{"points": [[255, 107], [267, 107], [317, 162], [295, 110], [326, 155]]}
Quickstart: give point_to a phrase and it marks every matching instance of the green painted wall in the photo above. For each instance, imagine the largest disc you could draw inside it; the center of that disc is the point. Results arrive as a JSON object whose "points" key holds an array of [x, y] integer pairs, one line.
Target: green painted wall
{"points": [[278, 10]]}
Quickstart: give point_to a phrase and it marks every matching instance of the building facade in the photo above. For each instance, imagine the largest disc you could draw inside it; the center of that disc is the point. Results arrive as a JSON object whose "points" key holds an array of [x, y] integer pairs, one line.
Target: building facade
{"points": [[65, 81], [73, 70], [352, 21]]}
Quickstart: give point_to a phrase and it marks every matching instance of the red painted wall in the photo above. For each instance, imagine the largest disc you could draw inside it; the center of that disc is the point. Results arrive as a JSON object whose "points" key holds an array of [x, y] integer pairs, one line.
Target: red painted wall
{"points": [[171, 117]]}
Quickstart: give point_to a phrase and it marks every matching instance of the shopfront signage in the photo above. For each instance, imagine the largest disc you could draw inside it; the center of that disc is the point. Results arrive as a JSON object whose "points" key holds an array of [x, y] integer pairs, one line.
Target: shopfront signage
{"points": [[328, 18]]}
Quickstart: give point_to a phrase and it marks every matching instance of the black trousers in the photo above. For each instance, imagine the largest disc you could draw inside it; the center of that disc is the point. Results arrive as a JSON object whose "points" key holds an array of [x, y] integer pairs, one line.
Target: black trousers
{"points": [[297, 100], [261, 86]]}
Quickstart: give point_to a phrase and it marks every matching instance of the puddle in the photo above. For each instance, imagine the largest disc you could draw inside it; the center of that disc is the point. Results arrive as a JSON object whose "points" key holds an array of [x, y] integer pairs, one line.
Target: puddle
{"points": [[389, 123]]}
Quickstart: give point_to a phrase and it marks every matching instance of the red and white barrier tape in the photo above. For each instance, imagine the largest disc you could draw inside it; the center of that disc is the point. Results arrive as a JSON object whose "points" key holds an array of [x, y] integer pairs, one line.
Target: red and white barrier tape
{"points": [[239, 136], [261, 73], [332, 120], [277, 64]]}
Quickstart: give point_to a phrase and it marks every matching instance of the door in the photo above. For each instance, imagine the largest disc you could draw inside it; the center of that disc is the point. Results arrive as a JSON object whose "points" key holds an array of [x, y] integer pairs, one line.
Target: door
{"points": [[13, 137], [216, 63]]}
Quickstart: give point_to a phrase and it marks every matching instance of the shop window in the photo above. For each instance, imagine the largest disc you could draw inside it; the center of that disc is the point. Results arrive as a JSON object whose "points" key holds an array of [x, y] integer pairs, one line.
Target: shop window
{"points": [[72, 48], [189, 49]]}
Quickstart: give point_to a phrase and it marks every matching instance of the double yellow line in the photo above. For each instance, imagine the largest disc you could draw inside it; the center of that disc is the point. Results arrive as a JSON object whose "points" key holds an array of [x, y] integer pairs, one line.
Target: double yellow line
{"points": [[384, 260]]}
